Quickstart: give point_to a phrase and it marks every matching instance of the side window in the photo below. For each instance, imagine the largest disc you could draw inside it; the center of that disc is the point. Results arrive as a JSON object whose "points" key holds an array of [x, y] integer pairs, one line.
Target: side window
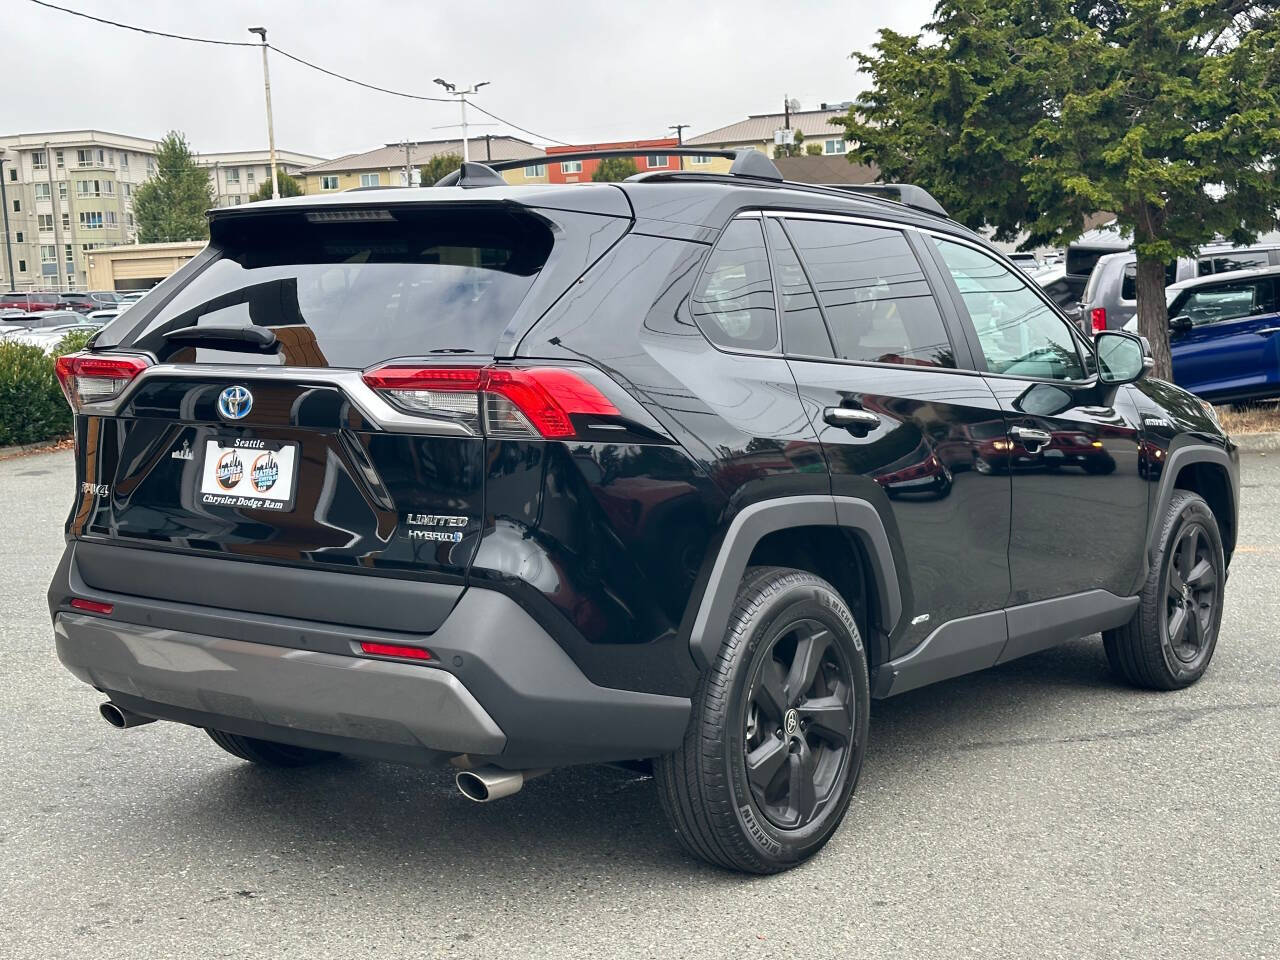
{"points": [[1228, 301], [1018, 333], [1222, 263], [734, 304], [1129, 285], [804, 333], [878, 304]]}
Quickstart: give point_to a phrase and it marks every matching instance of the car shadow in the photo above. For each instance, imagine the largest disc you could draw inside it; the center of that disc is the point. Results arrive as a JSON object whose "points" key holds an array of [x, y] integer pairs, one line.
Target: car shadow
{"points": [[370, 817]]}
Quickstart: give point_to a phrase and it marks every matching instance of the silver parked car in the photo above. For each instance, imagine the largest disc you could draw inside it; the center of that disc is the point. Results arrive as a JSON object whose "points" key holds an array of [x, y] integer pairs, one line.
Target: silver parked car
{"points": [[1110, 297]]}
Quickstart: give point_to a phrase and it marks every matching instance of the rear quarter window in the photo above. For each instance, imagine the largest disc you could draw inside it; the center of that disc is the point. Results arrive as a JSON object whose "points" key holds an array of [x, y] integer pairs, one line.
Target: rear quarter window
{"points": [[733, 304]]}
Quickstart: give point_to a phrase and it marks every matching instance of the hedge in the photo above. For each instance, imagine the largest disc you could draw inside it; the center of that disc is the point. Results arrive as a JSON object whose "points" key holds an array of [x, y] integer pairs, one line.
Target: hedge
{"points": [[32, 407]]}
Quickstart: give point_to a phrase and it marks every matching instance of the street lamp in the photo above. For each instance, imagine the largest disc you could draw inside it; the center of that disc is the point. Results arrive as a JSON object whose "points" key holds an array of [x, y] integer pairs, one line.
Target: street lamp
{"points": [[271, 128], [462, 95]]}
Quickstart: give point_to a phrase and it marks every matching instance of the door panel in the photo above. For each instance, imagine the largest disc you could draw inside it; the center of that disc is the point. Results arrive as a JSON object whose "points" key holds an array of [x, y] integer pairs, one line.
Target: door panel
{"points": [[920, 465], [1079, 503], [1229, 358]]}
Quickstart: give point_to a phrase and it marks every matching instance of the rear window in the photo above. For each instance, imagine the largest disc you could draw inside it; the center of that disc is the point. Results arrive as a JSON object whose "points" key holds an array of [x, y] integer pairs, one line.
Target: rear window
{"points": [[1081, 260], [349, 288]]}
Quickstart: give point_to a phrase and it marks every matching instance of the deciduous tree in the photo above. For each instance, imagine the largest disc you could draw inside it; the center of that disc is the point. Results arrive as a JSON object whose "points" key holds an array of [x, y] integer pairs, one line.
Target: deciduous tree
{"points": [[289, 187]]}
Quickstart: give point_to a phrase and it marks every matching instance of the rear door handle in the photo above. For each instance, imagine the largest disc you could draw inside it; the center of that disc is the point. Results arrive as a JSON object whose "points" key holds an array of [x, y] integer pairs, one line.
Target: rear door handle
{"points": [[1267, 331], [850, 419], [1031, 437]]}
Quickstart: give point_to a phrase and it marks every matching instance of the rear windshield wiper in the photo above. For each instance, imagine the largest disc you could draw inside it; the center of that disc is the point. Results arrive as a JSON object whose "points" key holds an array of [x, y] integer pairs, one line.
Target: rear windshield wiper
{"points": [[224, 338]]}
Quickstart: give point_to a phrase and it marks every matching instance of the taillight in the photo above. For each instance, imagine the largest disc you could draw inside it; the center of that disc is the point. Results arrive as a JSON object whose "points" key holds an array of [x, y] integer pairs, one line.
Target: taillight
{"points": [[509, 401], [1098, 319], [92, 378]]}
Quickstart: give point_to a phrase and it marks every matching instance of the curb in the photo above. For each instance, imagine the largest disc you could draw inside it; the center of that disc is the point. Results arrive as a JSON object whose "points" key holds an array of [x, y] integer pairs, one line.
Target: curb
{"points": [[1256, 442], [20, 449]]}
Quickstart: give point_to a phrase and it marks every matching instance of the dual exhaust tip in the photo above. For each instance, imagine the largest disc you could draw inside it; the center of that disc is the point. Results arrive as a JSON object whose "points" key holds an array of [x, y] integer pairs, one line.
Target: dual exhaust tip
{"points": [[483, 784]]}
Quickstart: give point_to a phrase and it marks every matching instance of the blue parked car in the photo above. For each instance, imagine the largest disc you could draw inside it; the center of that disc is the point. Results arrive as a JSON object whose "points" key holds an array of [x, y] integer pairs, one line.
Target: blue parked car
{"points": [[1224, 335]]}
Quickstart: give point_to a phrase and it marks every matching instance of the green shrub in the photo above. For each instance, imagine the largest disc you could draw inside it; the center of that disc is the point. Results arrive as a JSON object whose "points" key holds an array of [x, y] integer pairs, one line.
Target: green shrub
{"points": [[32, 407], [73, 341]]}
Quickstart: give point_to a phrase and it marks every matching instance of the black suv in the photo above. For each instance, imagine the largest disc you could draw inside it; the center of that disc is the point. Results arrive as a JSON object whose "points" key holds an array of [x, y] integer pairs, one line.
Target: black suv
{"points": [[682, 470]]}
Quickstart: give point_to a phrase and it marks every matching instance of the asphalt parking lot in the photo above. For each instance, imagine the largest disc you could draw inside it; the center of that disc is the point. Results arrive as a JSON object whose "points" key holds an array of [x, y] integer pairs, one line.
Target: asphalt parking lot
{"points": [[1037, 810]]}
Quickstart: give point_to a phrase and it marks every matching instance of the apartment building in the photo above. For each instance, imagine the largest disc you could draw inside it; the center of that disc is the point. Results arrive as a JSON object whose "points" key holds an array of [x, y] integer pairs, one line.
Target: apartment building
{"points": [[648, 156], [69, 192], [237, 175], [395, 164]]}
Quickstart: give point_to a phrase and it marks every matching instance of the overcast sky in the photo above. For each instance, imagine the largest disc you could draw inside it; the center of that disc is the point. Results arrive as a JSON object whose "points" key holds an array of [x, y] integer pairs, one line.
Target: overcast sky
{"points": [[581, 72]]}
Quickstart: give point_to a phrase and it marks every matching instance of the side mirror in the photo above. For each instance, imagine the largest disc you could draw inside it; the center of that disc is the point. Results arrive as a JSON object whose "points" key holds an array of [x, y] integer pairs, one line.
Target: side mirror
{"points": [[1180, 324], [1121, 357]]}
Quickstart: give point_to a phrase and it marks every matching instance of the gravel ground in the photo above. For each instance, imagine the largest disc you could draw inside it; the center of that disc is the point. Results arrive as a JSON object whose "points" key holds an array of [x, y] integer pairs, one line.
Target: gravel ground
{"points": [[1033, 810]]}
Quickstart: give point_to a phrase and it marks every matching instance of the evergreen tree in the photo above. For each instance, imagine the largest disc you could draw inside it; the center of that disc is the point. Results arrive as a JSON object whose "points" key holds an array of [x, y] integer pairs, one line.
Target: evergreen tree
{"points": [[1028, 116], [172, 204]]}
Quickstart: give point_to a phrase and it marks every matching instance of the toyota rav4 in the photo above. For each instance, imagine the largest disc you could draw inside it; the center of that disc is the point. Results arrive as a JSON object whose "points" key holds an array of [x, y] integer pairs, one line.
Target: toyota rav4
{"points": [[680, 471]]}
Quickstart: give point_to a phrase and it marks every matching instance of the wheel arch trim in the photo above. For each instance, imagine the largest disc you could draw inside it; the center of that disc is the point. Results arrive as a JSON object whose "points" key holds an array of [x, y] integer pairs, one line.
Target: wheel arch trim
{"points": [[753, 523], [1181, 457]]}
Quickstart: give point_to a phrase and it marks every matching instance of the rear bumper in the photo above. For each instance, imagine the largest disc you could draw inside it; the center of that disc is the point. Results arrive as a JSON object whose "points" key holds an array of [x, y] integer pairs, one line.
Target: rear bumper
{"points": [[499, 689]]}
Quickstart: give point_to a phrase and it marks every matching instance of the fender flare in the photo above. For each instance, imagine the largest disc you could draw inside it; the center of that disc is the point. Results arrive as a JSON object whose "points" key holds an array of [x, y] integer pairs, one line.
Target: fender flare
{"points": [[753, 523], [1180, 457]]}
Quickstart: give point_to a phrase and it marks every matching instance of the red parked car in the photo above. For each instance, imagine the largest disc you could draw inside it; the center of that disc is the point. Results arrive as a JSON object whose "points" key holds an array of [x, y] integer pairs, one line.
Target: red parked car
{"points": [[32, 302]]}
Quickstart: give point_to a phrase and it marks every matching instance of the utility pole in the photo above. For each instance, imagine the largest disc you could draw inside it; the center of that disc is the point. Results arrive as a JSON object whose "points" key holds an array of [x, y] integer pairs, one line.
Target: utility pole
{"points": [[4, 201], [271, 127], [679, 129], [408, 176], [488, 147], [462, 103], [786, 112]]}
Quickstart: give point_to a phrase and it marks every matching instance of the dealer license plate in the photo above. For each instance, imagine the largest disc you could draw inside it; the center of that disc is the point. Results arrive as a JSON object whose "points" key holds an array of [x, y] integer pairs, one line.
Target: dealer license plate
{"points": [[248, 474]]}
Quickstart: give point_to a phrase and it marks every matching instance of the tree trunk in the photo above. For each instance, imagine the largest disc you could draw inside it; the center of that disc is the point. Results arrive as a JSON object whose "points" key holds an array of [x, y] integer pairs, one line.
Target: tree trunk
{"points": [[1153, 317]]}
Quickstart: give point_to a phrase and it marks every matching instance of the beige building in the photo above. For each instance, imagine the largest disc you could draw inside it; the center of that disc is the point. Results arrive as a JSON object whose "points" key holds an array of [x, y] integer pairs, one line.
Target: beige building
{"points": [[396, 164], [67, 193], [70, 192], [237, 175], [138, 266], [758, 131]]}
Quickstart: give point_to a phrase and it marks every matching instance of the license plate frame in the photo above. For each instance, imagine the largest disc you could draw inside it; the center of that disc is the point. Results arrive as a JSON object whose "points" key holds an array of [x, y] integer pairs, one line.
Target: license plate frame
{"points": [[248, 488]]}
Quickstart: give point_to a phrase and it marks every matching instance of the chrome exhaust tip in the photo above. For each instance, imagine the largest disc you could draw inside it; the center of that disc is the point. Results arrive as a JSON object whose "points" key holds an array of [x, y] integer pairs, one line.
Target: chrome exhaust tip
{"points": [[492, 783], [120, 718]]}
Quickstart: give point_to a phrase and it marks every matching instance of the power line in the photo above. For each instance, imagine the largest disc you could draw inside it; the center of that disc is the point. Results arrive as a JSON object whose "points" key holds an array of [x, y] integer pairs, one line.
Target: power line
{"points": [[296, 59], [516, 126], [358, 83], [154, 33]]}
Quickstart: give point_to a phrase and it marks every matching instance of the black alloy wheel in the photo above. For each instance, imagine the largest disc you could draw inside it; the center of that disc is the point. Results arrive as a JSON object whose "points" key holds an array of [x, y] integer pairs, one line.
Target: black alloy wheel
{"points": [[1191, 593], [1170, 640], [799, 724], [778, 728]]}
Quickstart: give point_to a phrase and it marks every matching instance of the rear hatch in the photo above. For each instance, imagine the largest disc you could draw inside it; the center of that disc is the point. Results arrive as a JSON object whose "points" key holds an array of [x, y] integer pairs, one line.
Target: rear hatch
{"points": [[244, 410]]}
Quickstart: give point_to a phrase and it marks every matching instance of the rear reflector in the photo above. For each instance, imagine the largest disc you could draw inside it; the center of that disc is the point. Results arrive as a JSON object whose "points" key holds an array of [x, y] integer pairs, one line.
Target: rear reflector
{"points": [[92, 378], [396, 650], [1098, 319], [92, 606], [513, 401]]}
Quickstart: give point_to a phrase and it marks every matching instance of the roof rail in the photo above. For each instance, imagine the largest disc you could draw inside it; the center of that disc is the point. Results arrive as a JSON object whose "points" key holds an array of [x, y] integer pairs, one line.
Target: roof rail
{"points": [[747, 162], [907, 194]]}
